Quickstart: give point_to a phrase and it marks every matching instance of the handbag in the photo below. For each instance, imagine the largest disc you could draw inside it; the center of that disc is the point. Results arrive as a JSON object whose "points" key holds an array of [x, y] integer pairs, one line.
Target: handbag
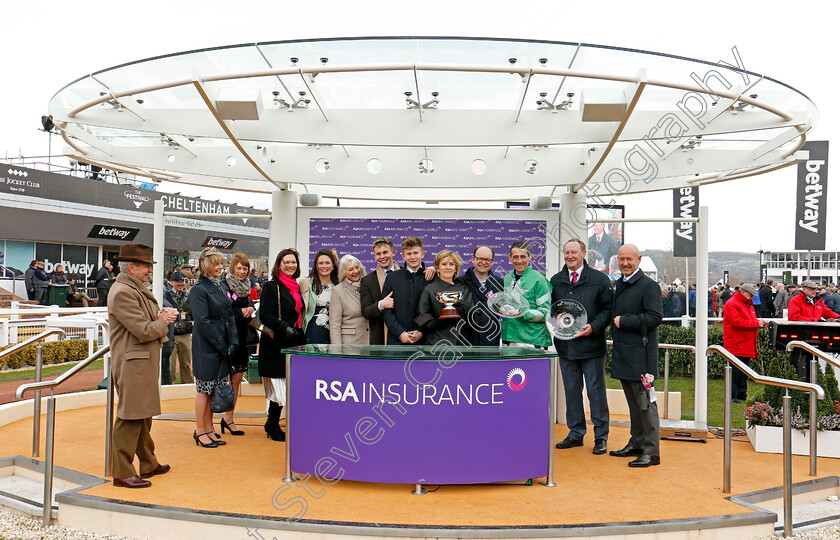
{"points": [[222, 398], [256, 324]]}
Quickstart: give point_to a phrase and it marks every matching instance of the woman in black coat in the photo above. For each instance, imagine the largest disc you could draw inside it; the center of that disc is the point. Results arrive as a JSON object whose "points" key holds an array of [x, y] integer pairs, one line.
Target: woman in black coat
{"points": [[214, 340], [281, 310]]}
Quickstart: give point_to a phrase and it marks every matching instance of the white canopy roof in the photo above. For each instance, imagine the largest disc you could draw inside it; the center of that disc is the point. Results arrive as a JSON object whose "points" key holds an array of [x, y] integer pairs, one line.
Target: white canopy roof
{"points": [[460, 119]]}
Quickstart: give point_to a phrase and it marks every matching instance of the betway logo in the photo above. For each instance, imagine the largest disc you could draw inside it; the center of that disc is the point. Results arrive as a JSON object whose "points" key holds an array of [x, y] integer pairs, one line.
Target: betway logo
{"points": [[114, 232], [69, 268], [813, 192], [687, 203]]}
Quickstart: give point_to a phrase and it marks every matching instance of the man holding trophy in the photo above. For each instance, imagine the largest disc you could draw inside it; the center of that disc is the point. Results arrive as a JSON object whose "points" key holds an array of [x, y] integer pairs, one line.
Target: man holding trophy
{"points": [[444, 302], [583, 352]]}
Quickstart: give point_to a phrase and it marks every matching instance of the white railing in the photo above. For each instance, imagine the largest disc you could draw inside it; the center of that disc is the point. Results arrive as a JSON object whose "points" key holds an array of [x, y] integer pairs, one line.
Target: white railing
{"points": [[18, 323]]}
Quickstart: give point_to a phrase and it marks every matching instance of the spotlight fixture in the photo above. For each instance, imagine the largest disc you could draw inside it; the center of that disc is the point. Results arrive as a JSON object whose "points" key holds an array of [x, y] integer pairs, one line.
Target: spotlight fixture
{"points": [[301, 102], [433, 103], [47, 123], [544, 105], [280, 102], [409, 102]]}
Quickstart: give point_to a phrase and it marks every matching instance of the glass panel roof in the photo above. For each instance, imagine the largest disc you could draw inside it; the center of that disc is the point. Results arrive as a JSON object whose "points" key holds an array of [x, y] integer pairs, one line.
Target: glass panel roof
{"points": [[505, 93]]}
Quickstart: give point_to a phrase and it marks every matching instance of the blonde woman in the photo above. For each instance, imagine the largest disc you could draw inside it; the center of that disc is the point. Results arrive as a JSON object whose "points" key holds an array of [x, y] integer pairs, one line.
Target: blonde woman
{"points": [[437, 330], [214, 340], [347, 324]]}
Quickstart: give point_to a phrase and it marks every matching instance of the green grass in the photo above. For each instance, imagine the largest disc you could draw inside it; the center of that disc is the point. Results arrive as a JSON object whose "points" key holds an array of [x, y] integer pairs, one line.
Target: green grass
{"points": [[47, 371], [715, 399]]}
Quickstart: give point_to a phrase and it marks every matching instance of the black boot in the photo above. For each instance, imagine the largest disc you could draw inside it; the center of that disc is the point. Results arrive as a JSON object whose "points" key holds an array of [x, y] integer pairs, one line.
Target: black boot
{"points": [[272, 424]]}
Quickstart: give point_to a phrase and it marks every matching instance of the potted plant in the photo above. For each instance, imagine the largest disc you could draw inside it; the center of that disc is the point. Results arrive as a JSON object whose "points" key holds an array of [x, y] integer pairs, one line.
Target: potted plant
{"points": [[765, 415]]}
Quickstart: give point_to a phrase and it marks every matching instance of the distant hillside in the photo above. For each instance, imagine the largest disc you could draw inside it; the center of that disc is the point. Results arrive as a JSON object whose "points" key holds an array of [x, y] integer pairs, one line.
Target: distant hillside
{"points": [[742, 267]]}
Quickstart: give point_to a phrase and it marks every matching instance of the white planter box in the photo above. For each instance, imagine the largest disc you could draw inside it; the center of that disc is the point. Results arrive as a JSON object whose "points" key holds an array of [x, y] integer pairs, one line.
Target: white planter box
{"points": [[770, 439]]}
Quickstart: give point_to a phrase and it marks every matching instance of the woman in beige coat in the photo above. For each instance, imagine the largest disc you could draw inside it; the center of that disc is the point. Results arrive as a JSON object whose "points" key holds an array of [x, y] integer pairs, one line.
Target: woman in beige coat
{"points": [[347, 324]]}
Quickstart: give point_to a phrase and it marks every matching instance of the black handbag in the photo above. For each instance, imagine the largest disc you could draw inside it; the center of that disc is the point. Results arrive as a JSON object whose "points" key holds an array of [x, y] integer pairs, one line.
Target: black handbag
{"points": [[223, 398]]}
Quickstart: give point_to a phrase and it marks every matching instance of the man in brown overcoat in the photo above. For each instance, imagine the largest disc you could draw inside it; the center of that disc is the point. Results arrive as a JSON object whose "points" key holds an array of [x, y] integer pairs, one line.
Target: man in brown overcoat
{"points": [[138, 329]]}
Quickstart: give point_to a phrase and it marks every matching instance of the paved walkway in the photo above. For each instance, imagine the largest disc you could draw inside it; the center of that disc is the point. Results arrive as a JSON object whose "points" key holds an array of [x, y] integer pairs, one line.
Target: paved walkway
{"points": [[85, 380]]}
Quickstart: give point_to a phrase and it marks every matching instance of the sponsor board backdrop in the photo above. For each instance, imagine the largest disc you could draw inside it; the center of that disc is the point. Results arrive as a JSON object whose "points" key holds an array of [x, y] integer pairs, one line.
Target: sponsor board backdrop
{"points": [[439, 229], [686, 204], [472, 426], [811, 201]]}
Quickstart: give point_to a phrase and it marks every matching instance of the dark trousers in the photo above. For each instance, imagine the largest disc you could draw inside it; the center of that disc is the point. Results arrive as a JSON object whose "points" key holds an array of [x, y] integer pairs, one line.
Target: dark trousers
{"points": [[41, 295], [101, 297], [165, 355], [132, 438], [739, 380], [574, 373], [644, 425]]}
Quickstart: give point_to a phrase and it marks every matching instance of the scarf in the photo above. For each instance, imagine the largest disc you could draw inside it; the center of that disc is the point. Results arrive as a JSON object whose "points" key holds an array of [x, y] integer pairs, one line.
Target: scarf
{"points": [[238, 289], [294, 290]]}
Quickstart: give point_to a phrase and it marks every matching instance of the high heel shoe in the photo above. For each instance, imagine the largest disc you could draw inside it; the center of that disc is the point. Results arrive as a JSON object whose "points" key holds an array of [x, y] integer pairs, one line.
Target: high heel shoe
{"points": [[275, 433], [218, 441], [198, 441], [225, 426]]}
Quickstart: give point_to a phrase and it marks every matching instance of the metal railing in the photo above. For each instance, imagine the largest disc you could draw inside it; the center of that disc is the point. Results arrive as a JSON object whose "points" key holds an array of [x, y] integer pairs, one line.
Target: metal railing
{"points": [[667, 376], [49, 461], [39, 361], [815, 352], [787, 384]]}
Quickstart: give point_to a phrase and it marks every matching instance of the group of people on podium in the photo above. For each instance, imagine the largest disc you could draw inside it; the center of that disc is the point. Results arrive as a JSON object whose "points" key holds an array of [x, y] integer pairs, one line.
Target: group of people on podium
{"points": [[339, 303]]}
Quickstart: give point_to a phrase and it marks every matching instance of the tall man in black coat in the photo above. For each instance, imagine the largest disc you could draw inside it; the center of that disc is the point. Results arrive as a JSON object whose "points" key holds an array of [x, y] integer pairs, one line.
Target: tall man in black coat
{"points": [[405, 286], [637, 312], [583, 357]]}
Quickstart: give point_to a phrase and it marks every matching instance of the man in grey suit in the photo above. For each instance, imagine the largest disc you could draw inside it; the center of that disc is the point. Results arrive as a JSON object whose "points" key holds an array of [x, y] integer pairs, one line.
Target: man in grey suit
{"points": [[637, 312]]}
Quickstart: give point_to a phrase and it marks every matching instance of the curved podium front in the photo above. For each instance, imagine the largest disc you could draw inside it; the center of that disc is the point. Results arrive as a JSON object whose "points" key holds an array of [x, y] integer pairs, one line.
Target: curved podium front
{"points": [[419, 415]]}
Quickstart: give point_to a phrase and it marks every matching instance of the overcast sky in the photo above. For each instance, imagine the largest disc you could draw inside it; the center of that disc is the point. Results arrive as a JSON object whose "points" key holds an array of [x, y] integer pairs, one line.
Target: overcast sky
{"points": [[48, 44]]}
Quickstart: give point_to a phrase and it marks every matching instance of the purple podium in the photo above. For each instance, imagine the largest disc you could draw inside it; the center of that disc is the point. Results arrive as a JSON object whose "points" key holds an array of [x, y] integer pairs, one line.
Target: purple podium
{"points": [[420, 415]]}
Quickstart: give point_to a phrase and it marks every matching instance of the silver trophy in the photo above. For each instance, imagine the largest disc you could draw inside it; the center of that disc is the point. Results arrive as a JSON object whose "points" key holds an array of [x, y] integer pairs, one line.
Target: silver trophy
{"points": [[449, 299]]}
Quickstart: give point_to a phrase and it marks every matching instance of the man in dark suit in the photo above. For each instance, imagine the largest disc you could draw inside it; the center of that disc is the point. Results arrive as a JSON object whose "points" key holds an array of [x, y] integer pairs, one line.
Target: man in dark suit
{"points": [[637, 312], [405, 286], [370, 289], [765, 295], [603, 243], [103, 283], [583, 356]]}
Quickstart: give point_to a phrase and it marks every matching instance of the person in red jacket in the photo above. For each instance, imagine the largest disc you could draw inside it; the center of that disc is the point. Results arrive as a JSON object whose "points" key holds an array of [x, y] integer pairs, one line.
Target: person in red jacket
{"points": [[805, 306], [740, 334]]}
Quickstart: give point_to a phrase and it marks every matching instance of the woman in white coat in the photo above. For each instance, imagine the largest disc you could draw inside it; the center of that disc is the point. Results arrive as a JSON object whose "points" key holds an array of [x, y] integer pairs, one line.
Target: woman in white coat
{"points": [[347, 324]]}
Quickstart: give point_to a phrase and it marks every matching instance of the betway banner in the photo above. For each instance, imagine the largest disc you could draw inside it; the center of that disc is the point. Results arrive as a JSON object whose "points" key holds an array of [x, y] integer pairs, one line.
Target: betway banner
{"points": [[811, 194], [686, 205], [366, 419]]}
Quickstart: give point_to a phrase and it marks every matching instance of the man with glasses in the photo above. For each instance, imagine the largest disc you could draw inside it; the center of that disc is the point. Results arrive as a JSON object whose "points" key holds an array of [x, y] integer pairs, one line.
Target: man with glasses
{"points": [[483, 283]]}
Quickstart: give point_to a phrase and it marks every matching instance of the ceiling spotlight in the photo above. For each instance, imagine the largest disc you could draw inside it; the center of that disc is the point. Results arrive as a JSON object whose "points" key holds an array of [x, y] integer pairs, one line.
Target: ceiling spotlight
{"points": [[409, 102], [324, 59], [301, 103], [294, 60], [543, 61], [433, 103], [512, 60]]}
